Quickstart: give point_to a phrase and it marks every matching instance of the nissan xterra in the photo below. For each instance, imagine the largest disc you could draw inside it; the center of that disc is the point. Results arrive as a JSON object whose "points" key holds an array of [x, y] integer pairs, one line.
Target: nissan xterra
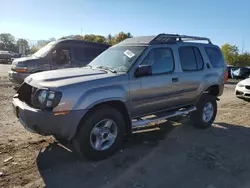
{"points": [[96, 106]]}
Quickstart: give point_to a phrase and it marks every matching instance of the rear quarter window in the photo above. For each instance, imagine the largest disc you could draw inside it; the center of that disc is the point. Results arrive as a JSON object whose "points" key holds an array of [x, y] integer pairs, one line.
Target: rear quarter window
{"points": [[215, 56], [87, 53]]}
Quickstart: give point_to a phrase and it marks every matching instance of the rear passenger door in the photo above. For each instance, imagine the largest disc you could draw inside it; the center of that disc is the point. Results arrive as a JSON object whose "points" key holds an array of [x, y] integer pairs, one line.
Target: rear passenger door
{"points": [[191, 75]]}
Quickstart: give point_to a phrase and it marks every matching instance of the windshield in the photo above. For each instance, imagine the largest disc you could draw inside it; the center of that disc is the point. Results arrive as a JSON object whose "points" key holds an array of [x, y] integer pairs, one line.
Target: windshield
{"points": [[118, 58], [44, 50]]}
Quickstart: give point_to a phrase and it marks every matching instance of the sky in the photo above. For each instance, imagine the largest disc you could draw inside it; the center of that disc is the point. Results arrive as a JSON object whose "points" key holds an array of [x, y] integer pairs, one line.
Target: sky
{"points": [[224, 21]]}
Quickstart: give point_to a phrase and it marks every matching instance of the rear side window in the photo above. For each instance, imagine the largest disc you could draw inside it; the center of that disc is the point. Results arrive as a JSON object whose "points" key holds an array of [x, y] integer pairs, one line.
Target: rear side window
{"points": [[215, 57], [92, 53], [191, 59], [87, 53], [79, 54]]}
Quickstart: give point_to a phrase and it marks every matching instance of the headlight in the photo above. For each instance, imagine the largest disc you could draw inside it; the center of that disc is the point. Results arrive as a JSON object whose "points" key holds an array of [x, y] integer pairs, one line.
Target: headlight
{"points": [[45, 98], [240, 85], [42, 96]]}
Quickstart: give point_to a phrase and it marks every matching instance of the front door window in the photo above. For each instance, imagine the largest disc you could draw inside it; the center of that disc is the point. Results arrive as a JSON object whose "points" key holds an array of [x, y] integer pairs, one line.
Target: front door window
{"points": [[61, 57]]}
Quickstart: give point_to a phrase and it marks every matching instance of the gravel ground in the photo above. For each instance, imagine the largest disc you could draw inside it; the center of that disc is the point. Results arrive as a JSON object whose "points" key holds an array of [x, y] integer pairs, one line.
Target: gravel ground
{"points": [[176, 156], [4, 70]]}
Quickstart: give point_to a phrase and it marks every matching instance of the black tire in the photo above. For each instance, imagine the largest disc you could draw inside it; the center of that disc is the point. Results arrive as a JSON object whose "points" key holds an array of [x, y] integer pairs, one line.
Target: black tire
{"points": [[197, 116], [82, 142]]}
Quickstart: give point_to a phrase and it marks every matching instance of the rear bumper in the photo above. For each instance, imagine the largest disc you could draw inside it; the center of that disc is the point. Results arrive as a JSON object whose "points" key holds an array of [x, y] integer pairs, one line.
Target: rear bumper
{"points": [[45, 122], [16, 77]]}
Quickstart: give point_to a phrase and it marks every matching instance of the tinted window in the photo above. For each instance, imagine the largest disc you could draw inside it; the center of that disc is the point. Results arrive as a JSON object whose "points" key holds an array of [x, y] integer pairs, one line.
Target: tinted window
{"points": [[91, 53], [191, 59], [215, 57], [161, 60], [199, 58], [87, 53], [79, 54]]}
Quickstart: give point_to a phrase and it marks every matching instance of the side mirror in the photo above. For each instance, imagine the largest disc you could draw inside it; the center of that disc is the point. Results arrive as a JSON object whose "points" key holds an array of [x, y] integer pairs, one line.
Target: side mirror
{"points": [[143, 70]]}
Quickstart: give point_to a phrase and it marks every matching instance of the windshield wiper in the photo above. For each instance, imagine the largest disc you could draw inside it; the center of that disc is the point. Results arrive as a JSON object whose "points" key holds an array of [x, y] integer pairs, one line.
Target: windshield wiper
{"points": [[107, 68]]}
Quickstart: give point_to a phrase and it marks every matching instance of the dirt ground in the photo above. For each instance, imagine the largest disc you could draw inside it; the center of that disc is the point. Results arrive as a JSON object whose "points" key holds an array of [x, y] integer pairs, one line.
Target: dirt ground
{"points": [[176, 156]]}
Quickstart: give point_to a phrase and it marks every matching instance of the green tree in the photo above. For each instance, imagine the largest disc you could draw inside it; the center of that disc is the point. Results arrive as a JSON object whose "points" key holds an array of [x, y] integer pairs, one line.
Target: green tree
{"points": [[33, 50], [68, 37], [121, 36], [94, 38], [230, 53], [52, 39], [243, 59], [8, 42], [42, 43], [23, 42], [109, 39]]}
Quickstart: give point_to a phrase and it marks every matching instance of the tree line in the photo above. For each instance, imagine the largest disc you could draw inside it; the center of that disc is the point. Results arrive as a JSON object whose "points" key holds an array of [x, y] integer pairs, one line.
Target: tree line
{"points": [[8, 42], [233, 56]]}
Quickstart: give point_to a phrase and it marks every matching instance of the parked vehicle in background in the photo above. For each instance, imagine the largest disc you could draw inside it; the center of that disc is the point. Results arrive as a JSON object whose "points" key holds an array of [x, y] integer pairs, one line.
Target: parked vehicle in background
{"points": [[242, 89], [229, 69], [240, 72], [163, 76], [55, 55], [5, 57]]}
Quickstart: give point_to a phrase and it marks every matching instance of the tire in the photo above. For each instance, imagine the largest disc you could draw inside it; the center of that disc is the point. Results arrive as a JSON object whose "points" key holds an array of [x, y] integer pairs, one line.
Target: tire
{"points": [[85, 137], [197, 117]]}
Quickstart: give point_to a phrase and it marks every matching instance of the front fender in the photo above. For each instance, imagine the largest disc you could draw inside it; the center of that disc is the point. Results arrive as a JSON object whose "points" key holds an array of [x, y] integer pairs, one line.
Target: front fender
{"points": [[99, 95]]}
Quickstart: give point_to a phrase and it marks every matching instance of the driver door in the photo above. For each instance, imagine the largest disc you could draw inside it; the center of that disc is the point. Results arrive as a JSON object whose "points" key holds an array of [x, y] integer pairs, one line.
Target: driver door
{"points": [[155, 92]]}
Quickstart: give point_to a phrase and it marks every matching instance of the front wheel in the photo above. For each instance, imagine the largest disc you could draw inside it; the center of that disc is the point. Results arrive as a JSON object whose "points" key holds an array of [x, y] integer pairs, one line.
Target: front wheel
{"points": [[101, 134], [206, 112]]}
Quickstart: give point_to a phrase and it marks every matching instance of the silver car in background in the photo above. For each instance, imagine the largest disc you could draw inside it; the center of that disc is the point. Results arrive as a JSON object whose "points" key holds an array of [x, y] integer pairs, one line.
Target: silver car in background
{"points": [[55, 55]]}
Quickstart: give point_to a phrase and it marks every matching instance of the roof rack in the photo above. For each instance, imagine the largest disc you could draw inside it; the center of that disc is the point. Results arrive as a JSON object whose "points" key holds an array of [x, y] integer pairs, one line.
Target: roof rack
{"points": [[172, 38]]}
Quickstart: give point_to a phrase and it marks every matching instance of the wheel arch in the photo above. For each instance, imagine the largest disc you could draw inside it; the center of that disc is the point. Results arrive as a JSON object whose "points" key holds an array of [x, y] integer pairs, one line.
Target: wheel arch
{"points": [[118, 105], [213, 90]]}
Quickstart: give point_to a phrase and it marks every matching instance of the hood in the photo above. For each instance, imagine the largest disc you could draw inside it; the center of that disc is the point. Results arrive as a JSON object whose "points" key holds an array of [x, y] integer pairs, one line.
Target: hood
{"points": [[64, 77], [23, 60], [245, 82]]}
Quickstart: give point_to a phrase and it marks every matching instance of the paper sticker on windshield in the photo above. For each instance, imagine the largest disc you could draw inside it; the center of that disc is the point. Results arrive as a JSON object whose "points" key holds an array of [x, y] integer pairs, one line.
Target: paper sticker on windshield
{"points": [[129, 54]]}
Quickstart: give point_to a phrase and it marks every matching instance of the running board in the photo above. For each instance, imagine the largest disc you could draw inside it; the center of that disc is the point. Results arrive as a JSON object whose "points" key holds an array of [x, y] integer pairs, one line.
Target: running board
{"points": [[162, 116]]}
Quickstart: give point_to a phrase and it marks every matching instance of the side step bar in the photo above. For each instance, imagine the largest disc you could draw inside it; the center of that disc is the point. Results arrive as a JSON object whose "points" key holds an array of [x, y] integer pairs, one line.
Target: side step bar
{"points": [[162, 116]]}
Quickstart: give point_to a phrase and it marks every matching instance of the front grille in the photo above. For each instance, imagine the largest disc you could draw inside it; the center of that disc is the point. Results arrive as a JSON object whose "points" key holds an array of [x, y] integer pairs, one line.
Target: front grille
{"points": [[247, 87], [25, 93]]}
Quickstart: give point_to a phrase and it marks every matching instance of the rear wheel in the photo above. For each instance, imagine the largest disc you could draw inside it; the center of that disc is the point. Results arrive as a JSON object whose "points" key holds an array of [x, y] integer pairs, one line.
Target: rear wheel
{"points": [[206, 112], [101, 134]]}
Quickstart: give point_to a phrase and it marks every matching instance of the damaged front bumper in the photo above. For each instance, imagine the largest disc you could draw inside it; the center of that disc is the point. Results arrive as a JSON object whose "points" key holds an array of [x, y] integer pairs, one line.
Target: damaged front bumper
{"points": [[45, 122]]}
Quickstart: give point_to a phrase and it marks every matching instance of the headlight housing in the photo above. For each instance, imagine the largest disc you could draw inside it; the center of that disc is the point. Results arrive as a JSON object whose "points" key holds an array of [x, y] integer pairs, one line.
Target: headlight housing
{"points": [[240, 85], [19, 67], [45, 98]]}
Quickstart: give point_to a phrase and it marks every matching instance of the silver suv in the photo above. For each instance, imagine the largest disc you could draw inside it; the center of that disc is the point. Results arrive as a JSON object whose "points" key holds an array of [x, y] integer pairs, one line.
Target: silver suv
{"points": [[96, 106]]}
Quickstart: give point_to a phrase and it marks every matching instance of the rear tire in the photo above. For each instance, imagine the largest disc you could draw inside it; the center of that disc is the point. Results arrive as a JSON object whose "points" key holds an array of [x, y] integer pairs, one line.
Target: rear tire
{"points": [[95, 129], [206, 112]]}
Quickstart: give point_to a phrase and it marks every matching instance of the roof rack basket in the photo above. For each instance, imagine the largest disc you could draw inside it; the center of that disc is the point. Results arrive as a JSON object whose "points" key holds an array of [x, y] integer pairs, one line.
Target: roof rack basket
{"points": [[168, 38]]}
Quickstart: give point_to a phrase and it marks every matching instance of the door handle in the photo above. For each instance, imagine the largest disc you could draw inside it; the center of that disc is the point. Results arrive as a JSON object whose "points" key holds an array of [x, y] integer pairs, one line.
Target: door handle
{"points": [[175, 79]]}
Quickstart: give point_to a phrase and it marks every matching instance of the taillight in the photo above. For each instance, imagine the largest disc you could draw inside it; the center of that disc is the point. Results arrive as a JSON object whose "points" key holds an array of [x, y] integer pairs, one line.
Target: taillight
{"points": [[226, 76]]}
